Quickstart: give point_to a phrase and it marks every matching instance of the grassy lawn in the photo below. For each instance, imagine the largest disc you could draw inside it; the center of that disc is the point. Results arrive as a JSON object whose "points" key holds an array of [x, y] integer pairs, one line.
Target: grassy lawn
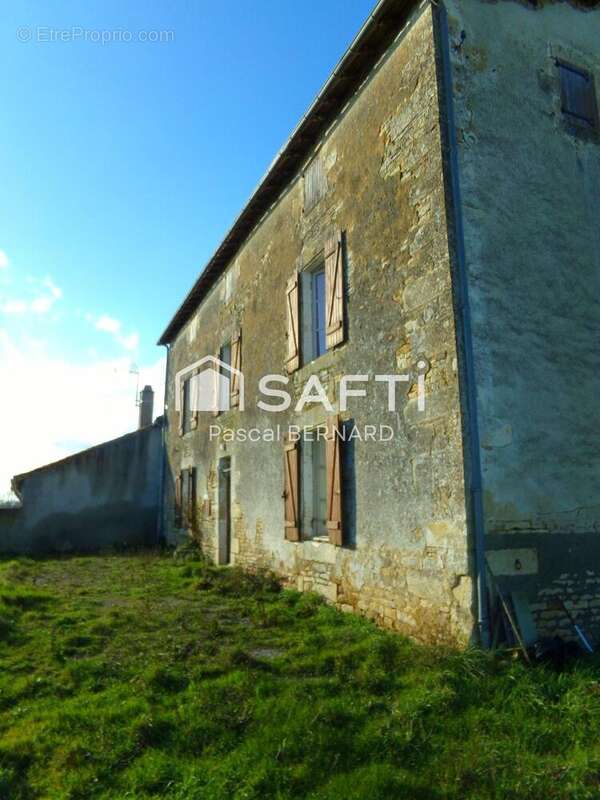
{"points": [[141, 676]]}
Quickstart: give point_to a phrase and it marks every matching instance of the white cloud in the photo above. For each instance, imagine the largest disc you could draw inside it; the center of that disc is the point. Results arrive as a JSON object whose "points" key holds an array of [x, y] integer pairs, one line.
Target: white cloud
{"points": [[108, 324], [3, 260], [114, 327], [14, 307], [55, 291], [130, 343], [42, 303], [57, 407]]}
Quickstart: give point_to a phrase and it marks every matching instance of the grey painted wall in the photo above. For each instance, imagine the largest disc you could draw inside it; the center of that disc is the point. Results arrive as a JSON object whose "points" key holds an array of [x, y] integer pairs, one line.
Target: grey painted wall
{"points": [[531, 200], [102, 497]]}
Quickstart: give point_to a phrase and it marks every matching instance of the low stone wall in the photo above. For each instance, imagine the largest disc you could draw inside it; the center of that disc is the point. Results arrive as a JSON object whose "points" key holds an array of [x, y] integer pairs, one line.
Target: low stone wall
{"points": [[107, 496]]}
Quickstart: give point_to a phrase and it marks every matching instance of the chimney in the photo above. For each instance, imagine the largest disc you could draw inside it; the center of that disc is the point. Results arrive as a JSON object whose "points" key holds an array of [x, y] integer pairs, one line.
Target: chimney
{"points": [[146, 407]]}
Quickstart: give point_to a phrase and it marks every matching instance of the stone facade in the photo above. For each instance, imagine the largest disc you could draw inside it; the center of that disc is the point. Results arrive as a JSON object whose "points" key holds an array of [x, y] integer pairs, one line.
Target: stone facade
{"points": [[405, 559], [452, 175]]}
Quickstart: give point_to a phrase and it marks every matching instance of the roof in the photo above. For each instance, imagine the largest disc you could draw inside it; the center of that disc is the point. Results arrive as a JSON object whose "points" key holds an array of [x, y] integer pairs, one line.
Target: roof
{"points": [[376, 35]]}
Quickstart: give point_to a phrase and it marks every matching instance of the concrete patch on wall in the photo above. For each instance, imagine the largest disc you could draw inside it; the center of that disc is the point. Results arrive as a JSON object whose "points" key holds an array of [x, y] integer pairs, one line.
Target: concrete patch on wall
{"points": [[518, 561]]}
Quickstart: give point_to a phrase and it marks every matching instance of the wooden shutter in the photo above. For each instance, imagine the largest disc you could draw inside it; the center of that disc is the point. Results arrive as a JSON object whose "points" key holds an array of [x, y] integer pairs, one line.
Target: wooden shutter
{"points": [[334, 290], [293, 323], [578, 95], [190, 510], [236, 364], [334, 482], [216, 387], [181, 406], [178, 501], [194, 400], [291, 491]]}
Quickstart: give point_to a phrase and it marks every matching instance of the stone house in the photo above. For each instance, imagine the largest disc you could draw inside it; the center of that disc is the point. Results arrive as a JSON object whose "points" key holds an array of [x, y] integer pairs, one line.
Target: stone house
{"points": [[433, 217]]}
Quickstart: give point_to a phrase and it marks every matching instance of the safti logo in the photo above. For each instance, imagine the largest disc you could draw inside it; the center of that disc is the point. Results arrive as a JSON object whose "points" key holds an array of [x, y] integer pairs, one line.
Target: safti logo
{"points": [[210, 385], [214, 385]]}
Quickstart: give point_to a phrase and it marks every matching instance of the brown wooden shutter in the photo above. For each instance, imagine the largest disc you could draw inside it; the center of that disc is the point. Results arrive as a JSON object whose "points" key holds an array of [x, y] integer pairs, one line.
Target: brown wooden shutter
{"points": [[181, 407], [291, 491], [293, 323], [236, 364], [334, 482], [178, 501], [216, 382], [191, 497], [194, 400], [334, 290]]}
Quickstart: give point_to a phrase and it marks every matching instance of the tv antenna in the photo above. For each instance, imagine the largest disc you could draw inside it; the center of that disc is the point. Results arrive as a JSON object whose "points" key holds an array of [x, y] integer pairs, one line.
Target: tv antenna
{"points": [[133, 370]]}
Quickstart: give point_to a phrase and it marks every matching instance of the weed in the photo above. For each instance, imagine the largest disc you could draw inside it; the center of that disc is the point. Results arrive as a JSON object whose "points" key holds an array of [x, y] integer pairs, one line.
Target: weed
{"points": [[146, 676]]}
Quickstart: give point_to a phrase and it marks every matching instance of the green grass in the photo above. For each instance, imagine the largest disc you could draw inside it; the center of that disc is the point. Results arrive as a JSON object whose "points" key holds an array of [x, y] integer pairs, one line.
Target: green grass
{"points": [[141, 676]]}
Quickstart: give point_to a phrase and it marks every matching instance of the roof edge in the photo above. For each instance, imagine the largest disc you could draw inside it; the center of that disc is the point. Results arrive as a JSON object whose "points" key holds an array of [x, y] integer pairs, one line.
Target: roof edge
{"points": [[53, 464], [375, 36]]}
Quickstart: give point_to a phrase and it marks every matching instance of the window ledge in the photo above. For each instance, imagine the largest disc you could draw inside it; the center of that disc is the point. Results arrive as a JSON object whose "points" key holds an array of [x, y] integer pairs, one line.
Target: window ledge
{"points": [[324, 361], [319, 549]]}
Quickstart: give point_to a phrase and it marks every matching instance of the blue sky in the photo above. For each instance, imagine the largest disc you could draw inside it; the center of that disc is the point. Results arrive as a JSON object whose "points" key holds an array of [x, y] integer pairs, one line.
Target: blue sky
{"points": [[122, 166]]}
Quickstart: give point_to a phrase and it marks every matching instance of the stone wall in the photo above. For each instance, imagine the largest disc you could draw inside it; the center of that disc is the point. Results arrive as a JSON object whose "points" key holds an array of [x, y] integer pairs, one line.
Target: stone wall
{"points": [[531, 193], [107, 496], [405, 559]]}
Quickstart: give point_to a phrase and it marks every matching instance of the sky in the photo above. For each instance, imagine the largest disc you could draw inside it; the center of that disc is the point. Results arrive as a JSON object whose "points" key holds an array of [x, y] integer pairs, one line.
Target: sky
{"points": [[132, 135]]}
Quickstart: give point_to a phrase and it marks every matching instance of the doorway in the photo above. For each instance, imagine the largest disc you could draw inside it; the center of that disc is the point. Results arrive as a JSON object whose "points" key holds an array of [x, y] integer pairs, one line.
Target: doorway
{"points": [[225, 510]]}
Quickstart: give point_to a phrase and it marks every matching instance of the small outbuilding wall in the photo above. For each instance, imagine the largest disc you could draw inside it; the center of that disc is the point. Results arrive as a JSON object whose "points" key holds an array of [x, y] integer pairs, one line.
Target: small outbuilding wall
{"points": [[107, 496]]}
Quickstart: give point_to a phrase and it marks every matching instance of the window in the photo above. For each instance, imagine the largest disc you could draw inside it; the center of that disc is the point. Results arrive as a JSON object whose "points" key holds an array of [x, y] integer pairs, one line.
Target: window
{"points": [[315, 306], [314, 340], [318, 312], [578, 96], [313, 482], [313, 485]]}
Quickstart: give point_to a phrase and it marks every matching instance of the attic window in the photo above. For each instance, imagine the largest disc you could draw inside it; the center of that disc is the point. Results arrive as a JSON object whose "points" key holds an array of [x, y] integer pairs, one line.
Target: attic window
{"points": [[577, 94]]}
